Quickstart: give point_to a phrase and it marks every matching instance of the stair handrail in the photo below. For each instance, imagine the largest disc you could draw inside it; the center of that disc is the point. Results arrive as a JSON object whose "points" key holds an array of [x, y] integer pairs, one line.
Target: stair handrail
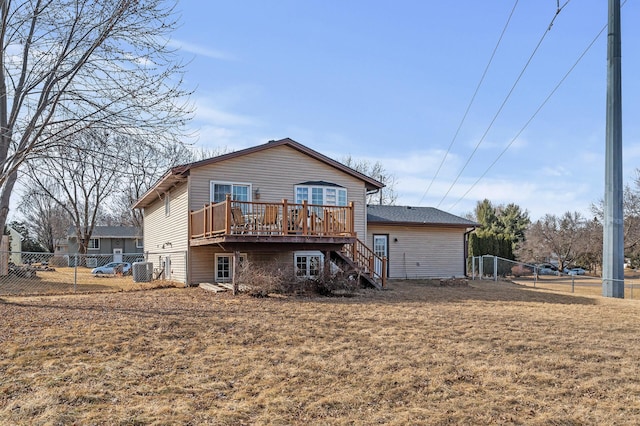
{"points": [[365, 259]]}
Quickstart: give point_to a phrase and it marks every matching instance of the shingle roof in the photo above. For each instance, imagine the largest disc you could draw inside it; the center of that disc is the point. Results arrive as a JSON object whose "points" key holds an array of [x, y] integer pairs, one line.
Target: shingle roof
{"points": [[112, 232], [414, 215], [179, 174]]}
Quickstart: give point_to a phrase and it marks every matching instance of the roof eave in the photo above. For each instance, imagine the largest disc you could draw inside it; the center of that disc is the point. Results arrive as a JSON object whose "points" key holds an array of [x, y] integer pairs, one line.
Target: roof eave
{"points": [[426, 224], [172, 178], [179, 174]]}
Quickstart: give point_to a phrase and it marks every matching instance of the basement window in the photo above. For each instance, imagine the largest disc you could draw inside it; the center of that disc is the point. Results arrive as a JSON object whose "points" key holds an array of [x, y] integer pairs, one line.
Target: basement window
{"points": [[308, 264]]}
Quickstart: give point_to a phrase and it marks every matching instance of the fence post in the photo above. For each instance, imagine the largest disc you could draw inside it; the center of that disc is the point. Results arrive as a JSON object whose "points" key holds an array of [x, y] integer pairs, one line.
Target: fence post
{"points": [[535, 276], [495, 268], [473, 268], [75, 273], [481, 267], [573, 283]]}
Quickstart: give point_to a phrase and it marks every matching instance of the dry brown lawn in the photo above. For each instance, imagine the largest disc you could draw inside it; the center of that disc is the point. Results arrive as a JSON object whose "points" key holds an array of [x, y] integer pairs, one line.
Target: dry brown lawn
{"points": [[64, 280], [582, 284], [490, 353]]}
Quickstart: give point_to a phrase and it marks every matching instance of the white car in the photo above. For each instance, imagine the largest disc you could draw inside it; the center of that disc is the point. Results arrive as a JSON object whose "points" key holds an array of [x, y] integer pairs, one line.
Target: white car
{"points": [[575, 271], [111, 267]]}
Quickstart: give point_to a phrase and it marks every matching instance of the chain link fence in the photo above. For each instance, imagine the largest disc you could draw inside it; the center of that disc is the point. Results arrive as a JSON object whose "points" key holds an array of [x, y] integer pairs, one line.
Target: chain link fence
{"points": [[494, 268], [31, 273]]}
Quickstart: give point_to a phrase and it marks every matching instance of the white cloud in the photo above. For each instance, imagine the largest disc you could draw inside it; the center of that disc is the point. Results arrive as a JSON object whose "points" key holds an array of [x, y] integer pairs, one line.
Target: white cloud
{"points": [[556, 171], [206, 112], [201, 50]]}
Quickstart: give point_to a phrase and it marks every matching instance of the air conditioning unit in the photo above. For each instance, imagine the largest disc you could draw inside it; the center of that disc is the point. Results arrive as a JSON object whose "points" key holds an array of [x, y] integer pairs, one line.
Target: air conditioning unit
{"points": [[92, 262], [142, 272]]}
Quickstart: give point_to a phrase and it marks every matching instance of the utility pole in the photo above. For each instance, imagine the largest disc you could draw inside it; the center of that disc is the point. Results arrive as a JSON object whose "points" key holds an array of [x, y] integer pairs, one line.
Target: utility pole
{"points": [[613, 238]]}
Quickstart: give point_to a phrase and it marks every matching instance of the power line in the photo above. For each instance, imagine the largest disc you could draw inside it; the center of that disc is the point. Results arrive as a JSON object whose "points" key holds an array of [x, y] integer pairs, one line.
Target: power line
{"points": [[504, 102], [466, 112], [555, 89]]}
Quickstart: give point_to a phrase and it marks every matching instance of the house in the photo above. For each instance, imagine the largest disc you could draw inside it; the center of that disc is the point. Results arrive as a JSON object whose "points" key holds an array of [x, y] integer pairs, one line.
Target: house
{"points": [[15, 246], [108, 244], [419, 242], [278, 203]]}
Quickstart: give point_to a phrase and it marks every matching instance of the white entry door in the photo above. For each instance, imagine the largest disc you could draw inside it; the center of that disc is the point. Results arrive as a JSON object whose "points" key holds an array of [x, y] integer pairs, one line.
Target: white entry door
{"points": [[380, 248], [117, 255], [167, 268]]}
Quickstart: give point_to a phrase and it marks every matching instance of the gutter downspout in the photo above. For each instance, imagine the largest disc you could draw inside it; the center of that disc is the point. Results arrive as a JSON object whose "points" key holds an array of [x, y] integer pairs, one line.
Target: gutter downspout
{"points": [[465, 240]]}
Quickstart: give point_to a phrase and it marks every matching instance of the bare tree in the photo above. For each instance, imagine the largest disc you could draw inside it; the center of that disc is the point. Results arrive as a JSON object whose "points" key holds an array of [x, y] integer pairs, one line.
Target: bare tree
{"points": [[631, 209], [82, 175], [562, 238], [69, 65], [141, 167], [386, 195], [44, 218]]}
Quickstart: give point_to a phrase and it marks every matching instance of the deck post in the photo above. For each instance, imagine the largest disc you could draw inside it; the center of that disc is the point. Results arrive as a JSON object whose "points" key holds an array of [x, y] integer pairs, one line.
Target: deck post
{"points": [[227, 219], [305, 215], [383, 273], [205, 222], [352, 217], [286, 219], [236, 262]]}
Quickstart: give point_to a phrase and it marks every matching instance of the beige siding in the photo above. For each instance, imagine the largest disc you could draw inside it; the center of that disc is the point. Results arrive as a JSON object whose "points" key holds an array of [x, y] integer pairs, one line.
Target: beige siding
{"points": [[160, 230], [275, 171], [203, 262], [422, 251], [202, 267]]}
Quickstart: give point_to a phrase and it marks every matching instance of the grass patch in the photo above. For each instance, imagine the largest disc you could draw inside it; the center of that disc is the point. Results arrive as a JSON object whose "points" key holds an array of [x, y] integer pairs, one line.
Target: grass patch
{"points": [[416, 353], [65, 280]]}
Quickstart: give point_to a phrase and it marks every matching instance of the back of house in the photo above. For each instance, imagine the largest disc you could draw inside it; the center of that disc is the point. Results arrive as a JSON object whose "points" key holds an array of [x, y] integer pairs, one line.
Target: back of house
{"points": [[280, 204]]}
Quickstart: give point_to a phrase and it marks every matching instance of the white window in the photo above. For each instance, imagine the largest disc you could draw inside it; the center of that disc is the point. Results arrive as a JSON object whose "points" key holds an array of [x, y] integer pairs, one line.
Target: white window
{"points": [[308, 264], [167, 209], [238, 191], [321, 195], [94, 244], [224, 266], [139, 243]]}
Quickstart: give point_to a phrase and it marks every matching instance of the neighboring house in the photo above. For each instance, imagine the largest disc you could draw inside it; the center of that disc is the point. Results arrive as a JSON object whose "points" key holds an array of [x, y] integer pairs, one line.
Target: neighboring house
{"points": [[419, 242], [280, 203], [15, 246], [109, 243], [61, 247]]}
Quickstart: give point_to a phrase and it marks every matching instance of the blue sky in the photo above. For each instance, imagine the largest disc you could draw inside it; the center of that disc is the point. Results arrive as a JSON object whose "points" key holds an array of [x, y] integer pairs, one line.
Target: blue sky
{"points": [[390, 82]]}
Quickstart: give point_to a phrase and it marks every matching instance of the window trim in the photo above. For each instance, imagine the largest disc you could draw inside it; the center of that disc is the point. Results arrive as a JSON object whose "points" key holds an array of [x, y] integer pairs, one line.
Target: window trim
{"points": [[324, 188], [139, 243], [212, 184], [167, 204], [308, 254], [243, 258], [97, 247]]}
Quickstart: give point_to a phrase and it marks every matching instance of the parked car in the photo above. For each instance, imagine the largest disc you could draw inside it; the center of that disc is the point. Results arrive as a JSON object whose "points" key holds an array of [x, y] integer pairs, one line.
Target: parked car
{"points": [[111, 268], [547, 269], [575, 271]]}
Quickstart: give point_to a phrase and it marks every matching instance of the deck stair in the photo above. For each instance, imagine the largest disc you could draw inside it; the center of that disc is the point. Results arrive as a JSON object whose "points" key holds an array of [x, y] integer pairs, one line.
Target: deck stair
{"points": [[363, 260]]}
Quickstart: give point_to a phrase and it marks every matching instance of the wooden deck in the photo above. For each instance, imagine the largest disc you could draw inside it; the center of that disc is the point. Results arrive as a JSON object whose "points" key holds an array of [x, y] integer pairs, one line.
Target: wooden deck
{"points": [[241, 221], [248, 226]]}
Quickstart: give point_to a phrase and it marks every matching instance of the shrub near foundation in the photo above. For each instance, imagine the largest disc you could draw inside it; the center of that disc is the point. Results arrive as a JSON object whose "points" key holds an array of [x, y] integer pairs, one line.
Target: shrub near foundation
{"points": [[260, 280]]}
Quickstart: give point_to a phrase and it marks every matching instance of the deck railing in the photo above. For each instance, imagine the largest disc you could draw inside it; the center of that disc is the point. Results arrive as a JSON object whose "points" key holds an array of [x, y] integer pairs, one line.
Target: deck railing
{"points": [[260, 219], [367, 260]]}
